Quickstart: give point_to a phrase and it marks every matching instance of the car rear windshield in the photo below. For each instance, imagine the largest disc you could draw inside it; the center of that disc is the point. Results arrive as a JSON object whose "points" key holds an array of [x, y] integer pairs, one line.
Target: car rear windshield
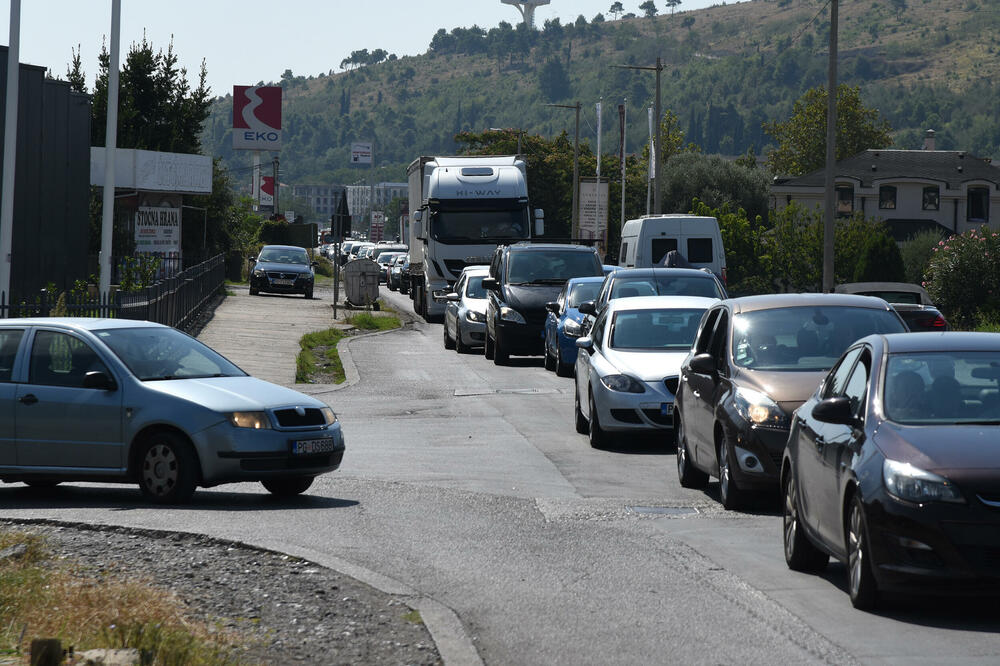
{"points": [[806, 338], [165, 353], [585, 291], [663, 285], [551, 266], [943, 388], [910, 297], [672, 329]]}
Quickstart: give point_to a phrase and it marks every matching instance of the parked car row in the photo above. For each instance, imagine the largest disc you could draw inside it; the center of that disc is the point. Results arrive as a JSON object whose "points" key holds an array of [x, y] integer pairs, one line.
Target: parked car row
{"points": [[879, 441]]}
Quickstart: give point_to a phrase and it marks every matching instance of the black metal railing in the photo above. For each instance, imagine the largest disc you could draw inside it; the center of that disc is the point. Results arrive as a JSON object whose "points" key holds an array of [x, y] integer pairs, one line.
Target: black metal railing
{"points": [[171, 301]]}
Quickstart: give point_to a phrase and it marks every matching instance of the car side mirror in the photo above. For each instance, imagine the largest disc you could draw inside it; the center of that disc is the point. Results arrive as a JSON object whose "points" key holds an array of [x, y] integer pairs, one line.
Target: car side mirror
{"points": [[95, 379], [588, 308], [835, 410], [453, 297], [253, 259], [585, 342], [553, 307], [702, 364], [490, 283]]}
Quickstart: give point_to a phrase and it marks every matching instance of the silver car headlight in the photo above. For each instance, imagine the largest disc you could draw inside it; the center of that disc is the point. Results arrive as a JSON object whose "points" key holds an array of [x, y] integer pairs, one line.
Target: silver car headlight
{"points": [[329, 415], [572, 328], [758, 408], [508, 313], [906, 482], [623, 384], [473, 315], [258, 274], [252, 420]]}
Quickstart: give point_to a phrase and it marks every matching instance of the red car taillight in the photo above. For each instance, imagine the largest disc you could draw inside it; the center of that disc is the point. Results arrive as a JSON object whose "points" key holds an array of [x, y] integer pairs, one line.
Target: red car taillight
{"points": [[939, 322]]}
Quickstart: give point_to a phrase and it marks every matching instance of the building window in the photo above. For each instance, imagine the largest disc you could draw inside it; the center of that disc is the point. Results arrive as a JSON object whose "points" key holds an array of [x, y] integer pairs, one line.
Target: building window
{"points": [[845, 200], [977, 207], [932, 198], [887, 197]]}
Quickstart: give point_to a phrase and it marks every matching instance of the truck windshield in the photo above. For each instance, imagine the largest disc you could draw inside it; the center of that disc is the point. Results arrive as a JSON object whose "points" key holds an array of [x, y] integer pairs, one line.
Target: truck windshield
{"points": [[478, 226]]}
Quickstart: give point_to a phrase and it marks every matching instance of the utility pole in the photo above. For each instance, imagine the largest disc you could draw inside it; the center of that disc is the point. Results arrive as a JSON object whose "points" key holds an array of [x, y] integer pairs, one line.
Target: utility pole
{"points": [[657, 148], [831, 154], [10, 153], [274, 165], [110, 145], [575, 231]]}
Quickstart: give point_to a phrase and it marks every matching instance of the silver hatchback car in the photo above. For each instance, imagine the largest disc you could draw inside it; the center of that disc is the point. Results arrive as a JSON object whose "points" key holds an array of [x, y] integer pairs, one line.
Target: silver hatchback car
{"points": [[465, 313], [113, 400]]}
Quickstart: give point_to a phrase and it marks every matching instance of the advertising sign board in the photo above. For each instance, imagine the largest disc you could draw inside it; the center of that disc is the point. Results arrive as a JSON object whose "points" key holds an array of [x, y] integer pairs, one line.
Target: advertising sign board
{"points": [[158, 234], [256, 118], [266, 194], [361, 152], [593, 209]]}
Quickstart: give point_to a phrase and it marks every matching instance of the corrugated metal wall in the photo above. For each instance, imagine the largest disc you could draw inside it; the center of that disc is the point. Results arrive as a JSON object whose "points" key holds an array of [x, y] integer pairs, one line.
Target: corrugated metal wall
{"points": [[51, 189]]}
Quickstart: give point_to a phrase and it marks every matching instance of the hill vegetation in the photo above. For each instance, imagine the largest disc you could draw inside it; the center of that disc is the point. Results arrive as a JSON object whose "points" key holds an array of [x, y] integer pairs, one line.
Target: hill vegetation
{"points": [[728, 70]]}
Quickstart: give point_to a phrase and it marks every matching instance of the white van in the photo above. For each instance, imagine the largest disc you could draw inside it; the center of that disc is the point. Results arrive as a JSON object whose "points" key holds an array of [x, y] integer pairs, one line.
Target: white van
{"points": [[647, 240]]}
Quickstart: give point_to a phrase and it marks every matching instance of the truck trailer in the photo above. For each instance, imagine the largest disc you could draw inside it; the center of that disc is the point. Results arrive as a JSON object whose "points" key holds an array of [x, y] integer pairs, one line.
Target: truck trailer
{"points": [[461, 209]]}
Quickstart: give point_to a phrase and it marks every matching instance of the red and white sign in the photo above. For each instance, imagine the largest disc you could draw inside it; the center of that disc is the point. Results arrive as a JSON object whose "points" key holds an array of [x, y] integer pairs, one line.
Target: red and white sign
{"points": [[266, 195], [256, 118]]}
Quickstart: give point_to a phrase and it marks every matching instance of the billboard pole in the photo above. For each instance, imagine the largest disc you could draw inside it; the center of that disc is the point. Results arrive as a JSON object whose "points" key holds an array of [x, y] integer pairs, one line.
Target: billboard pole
{"points": [[110, 143], [10, 151]]}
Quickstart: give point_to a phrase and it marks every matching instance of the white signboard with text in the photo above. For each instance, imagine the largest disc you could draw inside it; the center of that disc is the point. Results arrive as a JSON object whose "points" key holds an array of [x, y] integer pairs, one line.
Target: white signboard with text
{"points": [[593, 209], [361, 153], [158, 234]]}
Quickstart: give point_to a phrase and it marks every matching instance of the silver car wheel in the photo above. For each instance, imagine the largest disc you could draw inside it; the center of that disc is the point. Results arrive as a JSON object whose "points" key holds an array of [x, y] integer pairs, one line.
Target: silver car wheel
{"points": [[160, 470]]}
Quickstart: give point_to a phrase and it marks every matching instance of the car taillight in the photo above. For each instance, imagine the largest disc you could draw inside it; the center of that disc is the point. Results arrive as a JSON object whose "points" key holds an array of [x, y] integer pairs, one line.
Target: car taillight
{"points": [[939, 322], [725, 279]]}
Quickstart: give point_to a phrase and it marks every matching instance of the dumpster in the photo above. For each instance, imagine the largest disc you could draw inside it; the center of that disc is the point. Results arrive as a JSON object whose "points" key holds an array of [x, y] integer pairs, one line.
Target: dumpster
{"points": [[361, 281]]}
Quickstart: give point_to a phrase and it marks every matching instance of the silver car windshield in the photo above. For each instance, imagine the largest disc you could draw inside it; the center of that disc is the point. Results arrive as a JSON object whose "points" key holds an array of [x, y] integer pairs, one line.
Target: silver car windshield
{"points": [[475, 287], [165, 353], [943, 388], [670, 329]]}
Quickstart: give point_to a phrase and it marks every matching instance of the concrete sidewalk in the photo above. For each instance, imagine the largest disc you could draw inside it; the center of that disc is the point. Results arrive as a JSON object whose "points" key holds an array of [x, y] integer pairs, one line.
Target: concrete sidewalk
{"points": [[261, 334]]}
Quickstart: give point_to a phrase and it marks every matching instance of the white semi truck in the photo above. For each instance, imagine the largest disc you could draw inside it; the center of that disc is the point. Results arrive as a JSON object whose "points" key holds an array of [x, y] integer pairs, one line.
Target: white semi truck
{"points": [[461, 209]]}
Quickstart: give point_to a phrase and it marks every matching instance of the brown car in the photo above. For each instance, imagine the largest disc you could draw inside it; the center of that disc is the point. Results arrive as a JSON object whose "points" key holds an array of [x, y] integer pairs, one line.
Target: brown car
{"points": [[754, 361]]}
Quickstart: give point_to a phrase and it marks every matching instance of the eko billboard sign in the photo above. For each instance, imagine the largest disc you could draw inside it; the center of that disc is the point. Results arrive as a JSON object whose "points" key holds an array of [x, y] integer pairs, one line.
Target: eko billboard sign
{"points": [[256, 118]]}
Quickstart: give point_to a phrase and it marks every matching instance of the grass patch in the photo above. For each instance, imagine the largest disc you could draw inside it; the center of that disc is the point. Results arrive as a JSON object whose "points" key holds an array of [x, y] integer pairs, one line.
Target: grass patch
{"points": [[413, 617], [318, 361], [372, 322], [41, 597]]}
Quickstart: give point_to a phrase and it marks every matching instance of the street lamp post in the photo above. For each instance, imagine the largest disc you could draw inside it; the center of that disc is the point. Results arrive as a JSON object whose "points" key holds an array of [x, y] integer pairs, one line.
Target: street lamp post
{"points": [[657, 148], [575, 231]]}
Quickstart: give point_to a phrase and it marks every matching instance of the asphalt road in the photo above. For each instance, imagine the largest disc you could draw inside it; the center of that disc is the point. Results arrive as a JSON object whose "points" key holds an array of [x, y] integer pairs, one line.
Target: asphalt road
{"points": [[466, 483]]}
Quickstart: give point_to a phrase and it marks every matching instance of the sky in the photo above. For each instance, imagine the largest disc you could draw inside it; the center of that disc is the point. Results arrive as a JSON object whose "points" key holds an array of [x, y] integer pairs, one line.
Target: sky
{"points": [[249, 41]]}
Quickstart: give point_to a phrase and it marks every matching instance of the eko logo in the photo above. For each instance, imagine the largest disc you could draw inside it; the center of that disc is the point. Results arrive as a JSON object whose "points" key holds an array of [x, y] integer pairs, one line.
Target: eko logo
{"points": [[256, 118]]}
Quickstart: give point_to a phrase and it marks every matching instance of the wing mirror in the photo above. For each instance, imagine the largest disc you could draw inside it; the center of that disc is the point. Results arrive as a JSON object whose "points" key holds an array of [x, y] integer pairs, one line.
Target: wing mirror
{"points": [[453, 297], [95, 379], [585, 342], [836, 410], [491, 284], [702, 364], [553, 307], [539, 222], [588, 308]]}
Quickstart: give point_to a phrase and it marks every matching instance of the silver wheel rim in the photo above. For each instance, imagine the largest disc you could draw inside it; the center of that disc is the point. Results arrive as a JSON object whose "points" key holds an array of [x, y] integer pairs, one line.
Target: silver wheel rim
{"points": [[723, 474], [160, 470], [856, 554], [791, 518]]}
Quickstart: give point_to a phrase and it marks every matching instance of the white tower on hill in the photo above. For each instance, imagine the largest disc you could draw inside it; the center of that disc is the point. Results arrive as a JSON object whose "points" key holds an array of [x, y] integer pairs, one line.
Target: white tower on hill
{"points": [[527, 9]]}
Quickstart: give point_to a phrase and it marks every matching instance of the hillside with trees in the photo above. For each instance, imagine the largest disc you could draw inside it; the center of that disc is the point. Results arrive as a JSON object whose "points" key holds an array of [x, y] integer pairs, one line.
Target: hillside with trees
{"points": [[728, 70]]}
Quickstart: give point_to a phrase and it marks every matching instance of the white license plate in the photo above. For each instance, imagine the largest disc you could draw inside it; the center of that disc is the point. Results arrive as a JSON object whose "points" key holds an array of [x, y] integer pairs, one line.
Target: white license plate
{"points": [[283, 282], [307, 447], [666, 408]]}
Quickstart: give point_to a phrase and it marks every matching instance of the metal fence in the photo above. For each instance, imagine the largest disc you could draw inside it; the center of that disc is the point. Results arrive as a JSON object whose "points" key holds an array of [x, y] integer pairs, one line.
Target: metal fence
{"points": [[171, 301]]}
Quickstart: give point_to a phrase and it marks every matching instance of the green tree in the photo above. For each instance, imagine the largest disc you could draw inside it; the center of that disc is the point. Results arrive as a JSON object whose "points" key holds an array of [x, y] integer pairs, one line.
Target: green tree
{"points": [[715, 181], [917, 252], [649, 8], [616, 9], [879, 261], [74, 72], [554, 80], [747, 260], [802, 138], [672, 4]]}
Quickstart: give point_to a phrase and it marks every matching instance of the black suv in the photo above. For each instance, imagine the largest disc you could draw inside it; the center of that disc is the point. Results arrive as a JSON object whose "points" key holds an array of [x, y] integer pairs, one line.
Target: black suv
{"points": [[523, 278]]}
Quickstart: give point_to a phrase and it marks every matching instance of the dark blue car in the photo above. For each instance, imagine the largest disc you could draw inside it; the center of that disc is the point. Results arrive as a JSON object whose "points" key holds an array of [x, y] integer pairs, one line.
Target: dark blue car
{"points": [[562, 325]]}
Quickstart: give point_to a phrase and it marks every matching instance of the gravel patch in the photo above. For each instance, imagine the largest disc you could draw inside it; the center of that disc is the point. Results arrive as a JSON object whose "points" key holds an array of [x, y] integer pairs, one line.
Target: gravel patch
{"points": [[289, 609]]}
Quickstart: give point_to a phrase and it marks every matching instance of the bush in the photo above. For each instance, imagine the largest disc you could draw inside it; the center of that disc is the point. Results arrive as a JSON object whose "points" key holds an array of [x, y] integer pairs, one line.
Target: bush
{"points": [[323, 266], [916, 252], [880, 260], [963, 277], [273, 232]]}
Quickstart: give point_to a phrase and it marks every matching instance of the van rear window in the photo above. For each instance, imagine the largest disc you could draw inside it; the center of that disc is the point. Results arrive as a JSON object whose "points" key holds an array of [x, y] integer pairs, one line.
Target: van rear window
{"points": [[660, 248], [699, 250]]}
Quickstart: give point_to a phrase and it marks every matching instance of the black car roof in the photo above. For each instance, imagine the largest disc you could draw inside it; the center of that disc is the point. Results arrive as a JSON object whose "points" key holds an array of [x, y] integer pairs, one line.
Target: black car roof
{"points": [[932, 341]]}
